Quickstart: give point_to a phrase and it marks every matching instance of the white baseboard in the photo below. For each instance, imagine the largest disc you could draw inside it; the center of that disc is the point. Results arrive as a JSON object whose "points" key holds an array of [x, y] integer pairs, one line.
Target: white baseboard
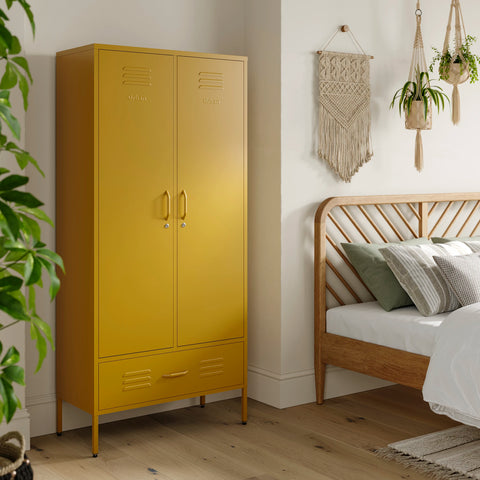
{"points": [[19, 423], [288, 390], [42, 409]]}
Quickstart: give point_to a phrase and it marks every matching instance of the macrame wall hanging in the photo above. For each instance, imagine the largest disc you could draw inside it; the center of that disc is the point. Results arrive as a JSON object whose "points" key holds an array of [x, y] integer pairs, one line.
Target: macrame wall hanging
{"points": [[454, 69], [418, 115], [344, 109]]}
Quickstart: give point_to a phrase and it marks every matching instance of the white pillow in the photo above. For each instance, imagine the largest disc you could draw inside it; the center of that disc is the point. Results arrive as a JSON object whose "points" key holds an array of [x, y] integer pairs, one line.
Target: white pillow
{"points": [[417, 272]]}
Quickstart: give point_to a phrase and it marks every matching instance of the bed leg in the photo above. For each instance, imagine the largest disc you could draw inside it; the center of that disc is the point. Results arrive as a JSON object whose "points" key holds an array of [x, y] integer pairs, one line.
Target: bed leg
{"points": [[320, 382]]}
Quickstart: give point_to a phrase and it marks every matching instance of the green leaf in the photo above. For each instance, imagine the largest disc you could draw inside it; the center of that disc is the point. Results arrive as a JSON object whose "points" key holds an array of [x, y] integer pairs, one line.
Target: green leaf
{"points": [[10, 400], [15, 374], [54, 257], [54, 280], [13, 181], [21, 198], [44, 327], [24, 88], [11, 219], [36, 273], [10, 358], [22, 62], [24, 158], [29, 13], [12, 306], [28, 268], [18, 267], [5, 98], [9, 79], [6, 37], [10, 120], [3, 15], [41, 344], [10, 283], [37, 213], [31, 298], [33, 227], [9, 3], [16, 48], [4, 170]]}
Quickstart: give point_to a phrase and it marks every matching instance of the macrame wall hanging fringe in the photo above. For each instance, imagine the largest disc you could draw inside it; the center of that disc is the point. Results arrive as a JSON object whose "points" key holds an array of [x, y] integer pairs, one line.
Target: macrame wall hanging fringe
{"points": [[344, 109], [457, 72]]}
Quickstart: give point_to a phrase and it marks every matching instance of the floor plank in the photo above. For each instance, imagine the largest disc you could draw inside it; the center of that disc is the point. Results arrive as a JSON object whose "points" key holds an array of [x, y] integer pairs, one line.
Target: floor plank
{"points": [[334, 441]]}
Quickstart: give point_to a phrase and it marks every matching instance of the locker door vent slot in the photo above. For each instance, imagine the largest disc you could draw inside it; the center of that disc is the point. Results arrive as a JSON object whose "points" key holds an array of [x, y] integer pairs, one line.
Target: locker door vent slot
{"points": [[137, 76], [136, 380], [211, 367], [210, 81]]}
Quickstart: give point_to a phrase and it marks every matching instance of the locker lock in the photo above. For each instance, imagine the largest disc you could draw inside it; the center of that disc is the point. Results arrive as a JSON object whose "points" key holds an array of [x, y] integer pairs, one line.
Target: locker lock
{"points": [[183, 225], [166, 225]]}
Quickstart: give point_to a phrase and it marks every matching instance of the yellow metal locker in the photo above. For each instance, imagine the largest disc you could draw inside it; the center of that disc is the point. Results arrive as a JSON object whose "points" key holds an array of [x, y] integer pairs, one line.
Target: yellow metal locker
{"points": [[151, 222]]}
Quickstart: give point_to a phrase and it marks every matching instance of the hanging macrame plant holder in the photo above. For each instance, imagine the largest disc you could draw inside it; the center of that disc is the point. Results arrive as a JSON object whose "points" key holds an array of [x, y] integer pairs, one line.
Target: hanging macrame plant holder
{"points": [[456, 71], [415, 119]]}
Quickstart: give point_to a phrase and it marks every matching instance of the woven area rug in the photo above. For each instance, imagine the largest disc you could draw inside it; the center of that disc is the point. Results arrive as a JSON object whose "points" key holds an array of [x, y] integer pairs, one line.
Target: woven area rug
{"points": [[452, 454]]}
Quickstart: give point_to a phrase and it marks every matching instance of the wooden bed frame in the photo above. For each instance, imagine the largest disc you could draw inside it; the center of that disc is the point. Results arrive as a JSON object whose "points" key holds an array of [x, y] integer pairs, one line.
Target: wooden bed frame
{"points": [[375, 219]]}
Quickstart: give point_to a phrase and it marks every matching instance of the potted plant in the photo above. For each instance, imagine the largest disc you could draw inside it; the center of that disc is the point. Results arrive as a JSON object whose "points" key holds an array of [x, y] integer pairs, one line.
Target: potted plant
{"points": [[415, 98], [23, 255], [457, 68]]}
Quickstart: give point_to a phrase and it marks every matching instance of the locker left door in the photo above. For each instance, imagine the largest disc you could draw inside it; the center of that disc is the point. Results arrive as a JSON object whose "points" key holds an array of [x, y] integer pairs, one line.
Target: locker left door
{"points": [[135, 188]]}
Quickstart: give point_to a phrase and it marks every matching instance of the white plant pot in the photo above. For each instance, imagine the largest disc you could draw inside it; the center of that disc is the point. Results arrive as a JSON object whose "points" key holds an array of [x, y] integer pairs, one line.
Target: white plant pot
{"points": [[415, 120]]}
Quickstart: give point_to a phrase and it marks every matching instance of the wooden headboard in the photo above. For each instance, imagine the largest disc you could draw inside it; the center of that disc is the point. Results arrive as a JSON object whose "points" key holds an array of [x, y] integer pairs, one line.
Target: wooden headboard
{"points": [[379, 219]]}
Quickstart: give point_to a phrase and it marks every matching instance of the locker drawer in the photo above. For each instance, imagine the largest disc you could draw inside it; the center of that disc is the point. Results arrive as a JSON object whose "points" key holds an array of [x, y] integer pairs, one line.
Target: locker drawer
{"points": [[145, 379]]}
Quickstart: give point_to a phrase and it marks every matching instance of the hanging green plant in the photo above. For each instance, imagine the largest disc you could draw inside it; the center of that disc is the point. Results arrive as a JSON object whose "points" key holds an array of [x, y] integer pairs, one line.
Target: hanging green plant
{"points": [[23, 256], [464, 65], [419, 90]]}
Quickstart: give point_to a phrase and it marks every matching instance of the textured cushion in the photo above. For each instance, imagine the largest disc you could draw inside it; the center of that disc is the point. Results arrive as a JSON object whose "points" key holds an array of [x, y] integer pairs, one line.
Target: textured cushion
{"points": [[374, 271], [462, 274], [452, 239], [418, 274]]}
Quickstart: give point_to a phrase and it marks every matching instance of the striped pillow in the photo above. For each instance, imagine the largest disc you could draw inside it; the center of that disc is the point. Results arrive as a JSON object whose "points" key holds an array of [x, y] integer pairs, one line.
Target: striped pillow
{"points": [[474, 245], [419, 275]]}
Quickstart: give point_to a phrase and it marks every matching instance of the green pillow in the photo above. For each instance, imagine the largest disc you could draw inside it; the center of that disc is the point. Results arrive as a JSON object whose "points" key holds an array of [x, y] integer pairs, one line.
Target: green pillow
{"points": [[374, 271], [452, 239]]}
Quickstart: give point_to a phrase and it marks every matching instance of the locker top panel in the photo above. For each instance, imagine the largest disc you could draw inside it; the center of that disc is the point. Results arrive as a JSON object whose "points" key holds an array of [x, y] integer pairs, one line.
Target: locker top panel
{"points": [[98, 46]]}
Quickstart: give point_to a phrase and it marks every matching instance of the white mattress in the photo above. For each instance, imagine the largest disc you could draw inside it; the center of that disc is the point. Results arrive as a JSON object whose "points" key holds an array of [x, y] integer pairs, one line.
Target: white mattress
{"points": [[404, 328]]}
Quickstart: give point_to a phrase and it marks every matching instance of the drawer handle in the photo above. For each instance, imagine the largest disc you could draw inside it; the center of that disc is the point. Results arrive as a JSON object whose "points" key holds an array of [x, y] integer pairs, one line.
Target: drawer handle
{"points": [[175, 375]]}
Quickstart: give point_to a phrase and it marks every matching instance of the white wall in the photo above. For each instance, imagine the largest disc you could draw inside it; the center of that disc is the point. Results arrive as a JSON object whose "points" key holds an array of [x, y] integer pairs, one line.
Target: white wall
{"points": [[214, 26], [385, 29], [262, 46]]}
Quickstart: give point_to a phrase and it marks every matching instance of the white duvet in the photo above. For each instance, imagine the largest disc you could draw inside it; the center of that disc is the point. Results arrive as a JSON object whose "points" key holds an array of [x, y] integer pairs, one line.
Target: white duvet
{"points": [[452, 384]]}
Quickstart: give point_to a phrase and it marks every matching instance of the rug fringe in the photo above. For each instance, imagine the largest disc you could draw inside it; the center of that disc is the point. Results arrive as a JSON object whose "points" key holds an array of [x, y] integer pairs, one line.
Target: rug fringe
{"points": [[436, 472]]}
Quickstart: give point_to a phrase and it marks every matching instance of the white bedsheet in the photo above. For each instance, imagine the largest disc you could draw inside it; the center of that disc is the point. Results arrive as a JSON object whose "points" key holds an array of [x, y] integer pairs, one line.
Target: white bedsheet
{"points": [[403, 328], [452, 384]]}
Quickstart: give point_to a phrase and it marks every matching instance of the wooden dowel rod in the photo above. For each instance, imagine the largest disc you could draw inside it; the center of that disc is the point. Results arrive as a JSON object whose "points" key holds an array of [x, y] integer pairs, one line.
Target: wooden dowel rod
{"points": [[319, 52]]}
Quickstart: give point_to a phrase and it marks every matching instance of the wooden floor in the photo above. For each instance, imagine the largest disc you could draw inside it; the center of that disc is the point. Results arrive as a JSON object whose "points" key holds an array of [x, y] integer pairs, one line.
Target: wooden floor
{"points": [[309, 442]]}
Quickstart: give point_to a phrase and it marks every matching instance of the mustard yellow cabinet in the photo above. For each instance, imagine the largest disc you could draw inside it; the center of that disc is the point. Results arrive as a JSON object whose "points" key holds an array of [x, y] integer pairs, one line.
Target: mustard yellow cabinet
{"points": [[151, 222]]}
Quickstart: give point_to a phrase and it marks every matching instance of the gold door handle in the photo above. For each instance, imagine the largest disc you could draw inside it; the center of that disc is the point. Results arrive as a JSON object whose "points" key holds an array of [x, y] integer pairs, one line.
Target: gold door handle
{"points": [[175, 375], [185, 204], [169, 201]]}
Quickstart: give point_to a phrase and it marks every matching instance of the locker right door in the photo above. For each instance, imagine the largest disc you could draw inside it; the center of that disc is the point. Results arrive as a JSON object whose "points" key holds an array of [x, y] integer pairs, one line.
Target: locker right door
{"points": [[210, 216]]}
